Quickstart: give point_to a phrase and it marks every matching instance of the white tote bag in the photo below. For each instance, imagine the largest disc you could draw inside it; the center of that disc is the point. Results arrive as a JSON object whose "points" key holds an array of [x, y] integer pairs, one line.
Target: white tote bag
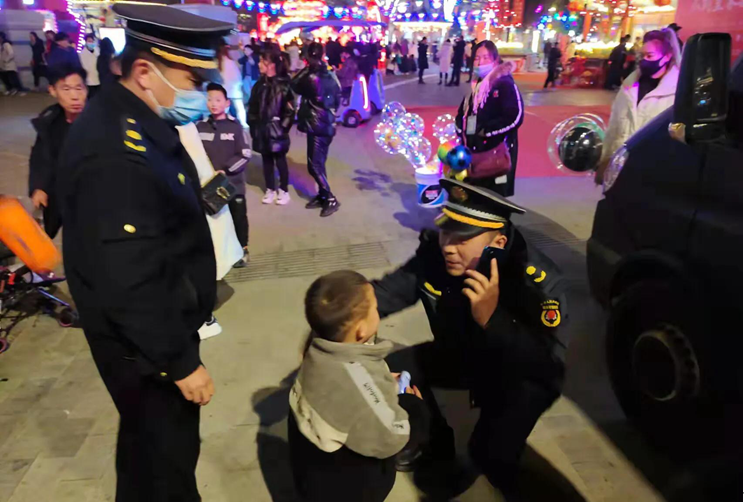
{"points": [[227, 249]]}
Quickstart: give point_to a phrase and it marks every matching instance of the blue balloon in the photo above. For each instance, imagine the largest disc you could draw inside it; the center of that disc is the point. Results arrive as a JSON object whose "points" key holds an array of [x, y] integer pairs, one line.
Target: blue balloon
{"points": [[459, 158]]}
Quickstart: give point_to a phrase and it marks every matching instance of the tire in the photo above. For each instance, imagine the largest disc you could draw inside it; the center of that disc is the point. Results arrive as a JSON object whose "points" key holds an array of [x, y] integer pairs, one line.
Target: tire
{"points": [[352, 119], [374, 109], [68, 317], [657, 355]]}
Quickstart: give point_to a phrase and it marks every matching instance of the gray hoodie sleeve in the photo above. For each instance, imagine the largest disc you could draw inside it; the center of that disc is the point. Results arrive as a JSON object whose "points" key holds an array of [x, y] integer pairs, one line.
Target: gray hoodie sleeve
{"points": [[382, 429]]}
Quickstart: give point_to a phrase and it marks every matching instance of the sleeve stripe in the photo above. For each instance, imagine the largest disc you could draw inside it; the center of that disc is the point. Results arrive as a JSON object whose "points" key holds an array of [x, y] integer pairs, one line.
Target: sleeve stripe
{"points": [[238, 164], [516, 121]]}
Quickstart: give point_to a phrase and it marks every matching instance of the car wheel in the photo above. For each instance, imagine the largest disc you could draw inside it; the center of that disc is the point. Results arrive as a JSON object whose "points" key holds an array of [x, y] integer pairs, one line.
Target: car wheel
{"points": [[374, 109], [656, 354], [352, 119]]}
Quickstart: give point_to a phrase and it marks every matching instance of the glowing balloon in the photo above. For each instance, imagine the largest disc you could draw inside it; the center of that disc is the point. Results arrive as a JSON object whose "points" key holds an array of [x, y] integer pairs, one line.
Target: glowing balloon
{"points": [[383, 132], [418, 151], [392, 111], [395, 143], [414, 122], [575, 144], [444, 128]]}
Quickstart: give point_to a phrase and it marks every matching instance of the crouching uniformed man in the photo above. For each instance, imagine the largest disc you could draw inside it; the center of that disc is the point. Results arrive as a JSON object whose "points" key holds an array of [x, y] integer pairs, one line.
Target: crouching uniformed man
{"points": [[495, 331], [138, 254]]}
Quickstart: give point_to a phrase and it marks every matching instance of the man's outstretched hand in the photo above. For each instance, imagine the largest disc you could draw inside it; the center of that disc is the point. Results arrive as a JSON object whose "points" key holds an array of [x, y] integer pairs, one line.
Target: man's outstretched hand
{"points": [[483, 293], [197, 387]]}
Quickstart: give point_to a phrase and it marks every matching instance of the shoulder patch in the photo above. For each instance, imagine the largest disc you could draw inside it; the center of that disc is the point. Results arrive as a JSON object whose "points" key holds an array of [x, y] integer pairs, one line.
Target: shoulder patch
{"points": [[551, 313], [432, 290]]}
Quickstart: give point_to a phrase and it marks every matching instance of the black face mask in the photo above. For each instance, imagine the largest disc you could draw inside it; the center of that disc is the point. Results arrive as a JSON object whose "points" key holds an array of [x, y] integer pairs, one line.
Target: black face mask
{"points": [[649, 68]]}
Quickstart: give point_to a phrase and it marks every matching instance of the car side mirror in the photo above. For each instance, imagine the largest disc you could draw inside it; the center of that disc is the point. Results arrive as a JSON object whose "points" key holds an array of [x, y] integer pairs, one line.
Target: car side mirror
{"points": [[701, 101]]}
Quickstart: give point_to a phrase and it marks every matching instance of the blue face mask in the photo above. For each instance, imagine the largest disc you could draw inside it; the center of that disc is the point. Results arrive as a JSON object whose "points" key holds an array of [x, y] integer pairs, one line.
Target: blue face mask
{"points": [[188, 106], [484, 70]]}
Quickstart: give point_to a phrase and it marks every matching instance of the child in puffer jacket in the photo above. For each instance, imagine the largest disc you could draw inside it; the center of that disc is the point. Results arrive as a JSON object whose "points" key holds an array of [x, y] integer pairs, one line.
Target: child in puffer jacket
{"points": [[347, 420]]}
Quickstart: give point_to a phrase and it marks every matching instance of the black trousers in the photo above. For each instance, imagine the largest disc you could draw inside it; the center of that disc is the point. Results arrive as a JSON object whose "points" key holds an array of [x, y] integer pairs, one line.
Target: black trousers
{"points": [[40, 71], [239, 212], [270, 160], [552, 70], [509, 411], [456, 69], [317, 153], [421, 74], [11, 81], [158, 444]]}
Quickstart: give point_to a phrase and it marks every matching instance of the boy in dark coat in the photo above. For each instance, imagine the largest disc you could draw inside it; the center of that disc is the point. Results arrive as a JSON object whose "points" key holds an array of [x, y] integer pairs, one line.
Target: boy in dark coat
{"points": [[225, 144]]}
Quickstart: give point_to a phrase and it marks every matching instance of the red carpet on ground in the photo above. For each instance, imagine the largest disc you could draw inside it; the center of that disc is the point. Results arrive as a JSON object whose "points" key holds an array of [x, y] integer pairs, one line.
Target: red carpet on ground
{"points": [[533, 158]]}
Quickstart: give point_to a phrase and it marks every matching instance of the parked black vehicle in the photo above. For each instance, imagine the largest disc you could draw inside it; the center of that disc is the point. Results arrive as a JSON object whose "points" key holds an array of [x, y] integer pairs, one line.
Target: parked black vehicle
{"points": [[665, 257]]}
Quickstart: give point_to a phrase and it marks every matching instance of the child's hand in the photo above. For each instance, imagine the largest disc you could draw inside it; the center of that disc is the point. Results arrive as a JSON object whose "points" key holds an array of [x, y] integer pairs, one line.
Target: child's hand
{"points": [[414, 391]]}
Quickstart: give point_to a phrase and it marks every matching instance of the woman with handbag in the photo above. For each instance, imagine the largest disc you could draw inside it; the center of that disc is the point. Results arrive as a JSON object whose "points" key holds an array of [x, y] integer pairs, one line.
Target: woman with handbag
{"points": [[488, 119], [271, 111]]}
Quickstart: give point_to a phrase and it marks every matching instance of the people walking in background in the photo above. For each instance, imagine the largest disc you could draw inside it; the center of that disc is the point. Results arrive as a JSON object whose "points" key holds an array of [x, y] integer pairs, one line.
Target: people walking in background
{"points": [[89, 59], [492, 114], [48, 42], [249, 70], [445, 61], [469, 56], [321, 93], [458, 53], [554, 59], [347, 73], [547, 46], [63, 53], [348, 419], [676, 29], [67, 86], [38, 60], [224, 142], [8, 67], [333, 51], [295, 63], [645, 93], [423, 59], [232, 80], [616, 63], [271, 112], [104, 63]]}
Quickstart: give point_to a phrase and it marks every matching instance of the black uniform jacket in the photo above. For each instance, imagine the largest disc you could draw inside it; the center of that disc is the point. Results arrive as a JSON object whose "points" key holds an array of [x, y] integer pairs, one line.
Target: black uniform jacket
{"points": [[137, 249], [520, 342], [321, 97]]}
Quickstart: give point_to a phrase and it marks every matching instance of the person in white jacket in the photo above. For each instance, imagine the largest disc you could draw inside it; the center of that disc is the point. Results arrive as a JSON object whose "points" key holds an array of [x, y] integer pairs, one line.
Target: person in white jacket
{"points": [[232, 81], [89, 60], [445, 61], [647, 92]]}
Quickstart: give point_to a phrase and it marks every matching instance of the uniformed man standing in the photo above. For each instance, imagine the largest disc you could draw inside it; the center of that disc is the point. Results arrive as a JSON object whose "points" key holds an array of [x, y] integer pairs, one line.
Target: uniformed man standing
{"points": [[495, 331], [137, 249]]}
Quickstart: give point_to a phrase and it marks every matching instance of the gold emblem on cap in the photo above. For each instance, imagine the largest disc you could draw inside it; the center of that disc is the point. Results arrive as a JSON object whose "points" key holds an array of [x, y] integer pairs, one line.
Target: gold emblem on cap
{"points": [[459, 194], [131, 229], [181, 178]]}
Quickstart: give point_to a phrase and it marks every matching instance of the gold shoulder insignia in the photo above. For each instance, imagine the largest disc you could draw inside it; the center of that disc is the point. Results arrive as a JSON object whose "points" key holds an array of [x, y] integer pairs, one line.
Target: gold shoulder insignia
{"points": [[538, 275], [432, 290], [132, 135]]}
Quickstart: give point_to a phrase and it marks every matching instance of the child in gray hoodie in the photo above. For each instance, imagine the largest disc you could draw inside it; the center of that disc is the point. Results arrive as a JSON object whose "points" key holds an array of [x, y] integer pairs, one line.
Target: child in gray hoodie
{"points": [[348, 421]]}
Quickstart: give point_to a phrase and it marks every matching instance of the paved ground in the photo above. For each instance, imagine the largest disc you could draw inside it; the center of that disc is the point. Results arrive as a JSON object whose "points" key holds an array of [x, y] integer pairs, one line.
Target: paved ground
{"points": [[58, 425]]}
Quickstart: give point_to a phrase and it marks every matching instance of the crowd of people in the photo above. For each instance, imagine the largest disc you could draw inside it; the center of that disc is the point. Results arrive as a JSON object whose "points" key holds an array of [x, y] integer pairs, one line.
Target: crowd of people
{"points": [[147, 234]]}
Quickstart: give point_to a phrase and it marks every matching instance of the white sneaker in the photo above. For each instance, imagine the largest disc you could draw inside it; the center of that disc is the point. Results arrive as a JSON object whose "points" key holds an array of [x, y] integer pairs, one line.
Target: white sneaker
{"points": [[269, 197], [283, 198], [210, 329]]}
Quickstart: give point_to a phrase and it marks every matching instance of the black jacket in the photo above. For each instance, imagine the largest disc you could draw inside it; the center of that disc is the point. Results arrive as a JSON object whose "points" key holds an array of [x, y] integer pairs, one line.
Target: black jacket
{"points": [[37, 51], [138, 253], [321, 94], [51, 130], [226, 147], [458, 53], [423, 57], [271, 112], [498, 119], [522, 340]]}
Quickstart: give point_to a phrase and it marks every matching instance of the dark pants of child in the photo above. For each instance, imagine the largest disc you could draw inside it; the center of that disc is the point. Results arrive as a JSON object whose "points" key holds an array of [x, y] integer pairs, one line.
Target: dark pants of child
{"points": [[280, 161], [239, 213]]}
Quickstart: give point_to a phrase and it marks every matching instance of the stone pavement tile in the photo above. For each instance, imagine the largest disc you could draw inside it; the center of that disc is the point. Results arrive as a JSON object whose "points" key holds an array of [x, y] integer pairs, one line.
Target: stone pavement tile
{"points": [[48, 434], [37, 484], [237, 485], [91, 460], [6, 490], [481, 490], [232, 449], [404, 489], [78, 490], [106, 422], [11, 474], [549, 450], [25, 396]]}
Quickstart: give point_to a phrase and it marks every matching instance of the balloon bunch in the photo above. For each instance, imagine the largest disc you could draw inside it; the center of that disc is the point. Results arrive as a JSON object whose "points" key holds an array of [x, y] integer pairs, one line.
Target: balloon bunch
{"points": [[401, 132], [456, 158]]}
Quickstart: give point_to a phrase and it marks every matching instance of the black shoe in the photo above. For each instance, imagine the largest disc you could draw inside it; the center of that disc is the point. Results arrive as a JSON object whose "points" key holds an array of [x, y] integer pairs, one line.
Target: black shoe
{"points": [[243, 261], [316, 202], [330, 207], [421, 81], [440, 83]]}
